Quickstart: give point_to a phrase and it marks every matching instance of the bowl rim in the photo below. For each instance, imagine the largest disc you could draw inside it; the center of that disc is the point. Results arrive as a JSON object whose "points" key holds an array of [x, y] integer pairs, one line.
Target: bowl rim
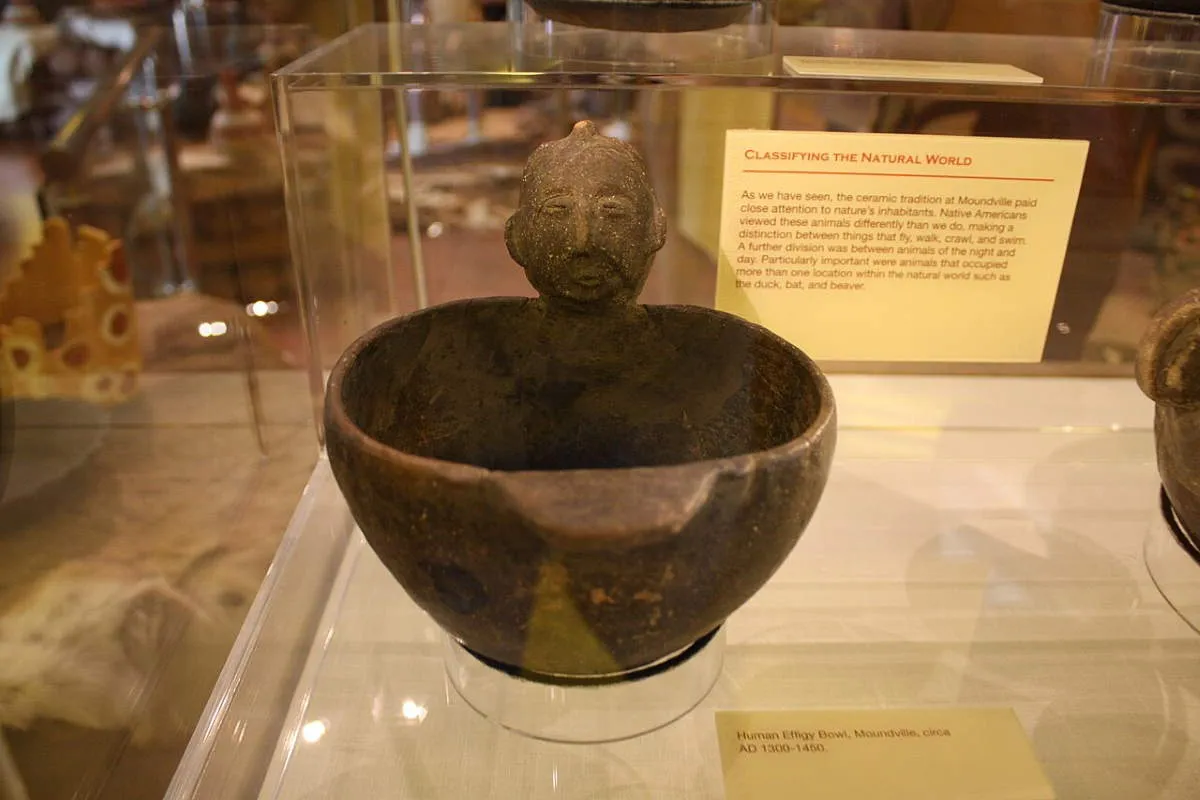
{"points": [[824, 421]]}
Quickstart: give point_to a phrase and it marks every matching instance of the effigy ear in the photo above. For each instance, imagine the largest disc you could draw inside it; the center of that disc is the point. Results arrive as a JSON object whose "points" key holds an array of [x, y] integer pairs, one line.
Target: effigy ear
{"points": [[1168, 359], [660, 228], [512, 236]]}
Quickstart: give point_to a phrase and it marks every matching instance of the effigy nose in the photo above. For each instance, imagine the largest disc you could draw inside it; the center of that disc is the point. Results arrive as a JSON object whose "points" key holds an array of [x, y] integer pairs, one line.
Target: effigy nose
{"points": [[580, 227]]}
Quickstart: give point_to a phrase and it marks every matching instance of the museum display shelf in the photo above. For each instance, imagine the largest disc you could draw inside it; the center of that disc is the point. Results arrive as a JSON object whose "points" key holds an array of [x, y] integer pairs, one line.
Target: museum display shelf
{"points": [[980, 544]]}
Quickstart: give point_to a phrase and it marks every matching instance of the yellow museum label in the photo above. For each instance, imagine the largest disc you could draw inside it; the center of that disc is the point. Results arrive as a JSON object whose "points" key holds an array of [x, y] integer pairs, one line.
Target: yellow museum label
{"points": [[897, 247], [893, 754], [906, 70]]}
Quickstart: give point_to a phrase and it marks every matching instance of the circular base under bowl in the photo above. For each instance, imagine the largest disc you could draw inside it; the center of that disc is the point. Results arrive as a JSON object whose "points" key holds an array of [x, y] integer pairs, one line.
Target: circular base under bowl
{"points": [[1173, 559], [648, 16], [587, 710]]}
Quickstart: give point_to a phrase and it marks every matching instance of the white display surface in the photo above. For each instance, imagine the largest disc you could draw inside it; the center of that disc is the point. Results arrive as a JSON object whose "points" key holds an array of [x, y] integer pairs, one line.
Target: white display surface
{"points": [[979, 544]]}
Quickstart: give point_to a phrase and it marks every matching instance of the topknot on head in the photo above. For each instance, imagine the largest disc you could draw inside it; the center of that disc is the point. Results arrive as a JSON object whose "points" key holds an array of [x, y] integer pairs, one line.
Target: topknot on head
{"points": [[584, 138], [585, 127]]}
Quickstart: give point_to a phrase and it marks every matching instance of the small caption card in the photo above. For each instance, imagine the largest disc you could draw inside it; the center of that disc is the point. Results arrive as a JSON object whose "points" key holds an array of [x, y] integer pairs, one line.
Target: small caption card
{"points": [[893, 754], [906, 70], [897, 247]]}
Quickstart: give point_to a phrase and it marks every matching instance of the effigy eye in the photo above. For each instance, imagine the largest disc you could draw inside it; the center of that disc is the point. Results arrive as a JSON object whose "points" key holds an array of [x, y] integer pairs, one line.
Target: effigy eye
{"points": [[555, 208], [615, 208]]}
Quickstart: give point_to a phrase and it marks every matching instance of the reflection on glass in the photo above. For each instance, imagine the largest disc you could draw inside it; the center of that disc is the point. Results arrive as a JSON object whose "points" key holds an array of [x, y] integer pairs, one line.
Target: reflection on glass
{"points": [[413, 711], [313, 731], [262, 308], [211, 329]]}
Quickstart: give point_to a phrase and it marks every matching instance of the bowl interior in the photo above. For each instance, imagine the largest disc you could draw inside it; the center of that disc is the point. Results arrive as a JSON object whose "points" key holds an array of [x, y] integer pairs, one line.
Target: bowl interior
{"points": [[500, 385]]}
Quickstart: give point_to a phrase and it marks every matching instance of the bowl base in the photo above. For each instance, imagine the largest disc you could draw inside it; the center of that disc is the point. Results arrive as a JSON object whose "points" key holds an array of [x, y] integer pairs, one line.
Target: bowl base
{"points": [[587, 710]]}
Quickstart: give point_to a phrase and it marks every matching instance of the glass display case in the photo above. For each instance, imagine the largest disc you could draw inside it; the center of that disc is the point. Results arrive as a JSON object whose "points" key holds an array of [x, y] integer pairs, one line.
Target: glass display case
{"points": [[150, 453], [984, 536]]}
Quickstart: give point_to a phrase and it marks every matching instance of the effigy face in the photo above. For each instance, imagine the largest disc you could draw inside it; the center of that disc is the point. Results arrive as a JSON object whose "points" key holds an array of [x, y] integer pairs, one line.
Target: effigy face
{"points": [[587, 225]]}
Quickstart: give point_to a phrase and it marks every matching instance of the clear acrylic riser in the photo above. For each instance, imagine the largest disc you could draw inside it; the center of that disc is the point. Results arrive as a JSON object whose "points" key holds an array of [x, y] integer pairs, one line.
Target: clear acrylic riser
{"points": [[1174, 563], [981, 543]]}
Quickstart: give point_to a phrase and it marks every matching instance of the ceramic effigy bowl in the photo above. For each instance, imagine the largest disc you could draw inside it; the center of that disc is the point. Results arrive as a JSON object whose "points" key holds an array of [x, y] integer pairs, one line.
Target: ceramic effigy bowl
{"points": [[578, 505]]}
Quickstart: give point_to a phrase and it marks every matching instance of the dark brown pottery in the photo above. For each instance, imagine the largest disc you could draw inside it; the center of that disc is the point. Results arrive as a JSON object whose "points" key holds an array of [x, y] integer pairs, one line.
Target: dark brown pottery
{"points": [[578, 485], [1168, 371]]}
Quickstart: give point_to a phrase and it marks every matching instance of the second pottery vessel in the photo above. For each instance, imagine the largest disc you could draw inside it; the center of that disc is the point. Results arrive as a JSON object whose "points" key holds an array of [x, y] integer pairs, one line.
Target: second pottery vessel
{"points": [[1168, 372]]}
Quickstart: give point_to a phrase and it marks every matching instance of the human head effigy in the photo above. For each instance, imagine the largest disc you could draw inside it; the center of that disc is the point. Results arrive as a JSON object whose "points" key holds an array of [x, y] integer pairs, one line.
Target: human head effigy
{"points": [[587, 225]]}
